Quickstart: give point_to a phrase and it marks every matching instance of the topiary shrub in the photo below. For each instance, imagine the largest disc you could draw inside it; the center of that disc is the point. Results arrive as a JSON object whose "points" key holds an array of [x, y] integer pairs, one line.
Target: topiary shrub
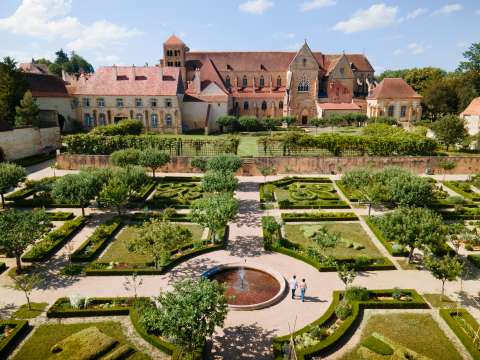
{"points": [[356, 293], [343, 310]]}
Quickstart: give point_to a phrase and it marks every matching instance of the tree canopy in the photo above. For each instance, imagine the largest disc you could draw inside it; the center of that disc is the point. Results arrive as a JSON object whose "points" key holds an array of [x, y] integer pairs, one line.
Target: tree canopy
{"points": [[10, 176], [28, 113], [13, 85], [76, 189], [73, 64], [217, 181], [450, 130]]}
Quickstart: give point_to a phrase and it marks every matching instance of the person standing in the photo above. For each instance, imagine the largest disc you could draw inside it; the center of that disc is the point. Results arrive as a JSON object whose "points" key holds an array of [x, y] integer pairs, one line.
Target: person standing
{"points": [[293, 285], [303, 288]]}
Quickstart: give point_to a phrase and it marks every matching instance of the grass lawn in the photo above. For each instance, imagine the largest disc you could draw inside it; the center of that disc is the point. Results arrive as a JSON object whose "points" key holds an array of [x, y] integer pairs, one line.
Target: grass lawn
{"points": [[405, 265], [437, 301], [38, 346], [118, 252], [418, 332], [348, 231], [24, 313]]}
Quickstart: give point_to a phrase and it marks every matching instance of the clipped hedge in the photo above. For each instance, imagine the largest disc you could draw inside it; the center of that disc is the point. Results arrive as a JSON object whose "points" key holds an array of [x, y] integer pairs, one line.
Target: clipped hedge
{"points": [[62, 308], [319, 216], [60, 216], [463, 331], [143, 193], [185, 252], [20, 194], [328, 343], [54, 240], [7, 344], [100, 238], [351, 195], [92, 144], [387, 244], [463, 214], [474, 259], [314, 204], [462, 188], [3, 267]]}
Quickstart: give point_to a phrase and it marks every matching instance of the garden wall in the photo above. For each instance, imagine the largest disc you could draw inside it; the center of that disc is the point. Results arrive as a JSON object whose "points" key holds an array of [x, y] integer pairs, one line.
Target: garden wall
{"points": [[294, 164], [24, 142]]}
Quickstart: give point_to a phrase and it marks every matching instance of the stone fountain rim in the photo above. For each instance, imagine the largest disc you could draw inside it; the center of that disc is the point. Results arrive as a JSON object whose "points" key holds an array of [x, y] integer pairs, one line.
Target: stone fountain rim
{"points": [[253, 266]]}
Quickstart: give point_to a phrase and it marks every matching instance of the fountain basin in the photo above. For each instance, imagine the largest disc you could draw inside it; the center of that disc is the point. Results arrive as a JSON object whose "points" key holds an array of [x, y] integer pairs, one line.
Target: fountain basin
{"points": [[249, 286]]}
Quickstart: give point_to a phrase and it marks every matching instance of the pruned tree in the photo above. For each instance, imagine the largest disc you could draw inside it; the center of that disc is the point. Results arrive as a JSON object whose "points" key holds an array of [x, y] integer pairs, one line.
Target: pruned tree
{"points": [[125, 157], [346, 274], [225, 163], [445, 269], [75, 189], [450, 130], [217, 182], [27, 283], [114, 194], [153, 158], [132, 283]]}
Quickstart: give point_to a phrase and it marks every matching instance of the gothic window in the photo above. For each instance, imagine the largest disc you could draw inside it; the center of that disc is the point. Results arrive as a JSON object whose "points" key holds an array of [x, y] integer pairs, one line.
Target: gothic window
{"points": [[264, 105], [101, 119], [154, 121], [280, 104], [303, 84], [403, 111], [168, 121], [244, 81], [262, 81], [227, 81], [391, 110], [304, 62], [245, 105], [279, 81]]}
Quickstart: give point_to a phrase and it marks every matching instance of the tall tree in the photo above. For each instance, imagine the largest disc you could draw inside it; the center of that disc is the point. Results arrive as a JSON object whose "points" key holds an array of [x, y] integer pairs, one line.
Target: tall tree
{"points": [[28, 113], [189, 314], [156, 238], [214, 211], [12, 88], [450, 130], [19, 229], [472, 59], [76, 189], [10, 176]]}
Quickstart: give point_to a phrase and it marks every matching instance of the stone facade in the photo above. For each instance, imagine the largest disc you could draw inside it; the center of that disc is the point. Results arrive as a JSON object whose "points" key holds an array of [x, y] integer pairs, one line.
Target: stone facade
{"points": [[24, 142]]}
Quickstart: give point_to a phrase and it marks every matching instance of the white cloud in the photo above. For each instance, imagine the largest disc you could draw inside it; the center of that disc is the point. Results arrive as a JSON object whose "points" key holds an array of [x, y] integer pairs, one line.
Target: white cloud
{"points": [[449, 8], [316, 4], [256, 7], [49, 19], [415, 48], [376, 16], [416, 13]]}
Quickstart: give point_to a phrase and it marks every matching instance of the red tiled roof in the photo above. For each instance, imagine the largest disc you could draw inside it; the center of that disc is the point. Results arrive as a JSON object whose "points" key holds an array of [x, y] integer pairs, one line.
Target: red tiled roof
{"points": [[205, 98], [393, 88], [174, 40], [272, 60], [46, 85], [338, 106], [473, 108], [208, 74], [129, 81], [34, 68]]}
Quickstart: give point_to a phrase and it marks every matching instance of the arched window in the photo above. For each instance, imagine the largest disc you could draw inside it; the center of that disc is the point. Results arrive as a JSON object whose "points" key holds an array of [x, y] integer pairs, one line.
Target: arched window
{"points": [[279, 81], [139, 117], [244, 81], [245, 105], [101, 119], [303, 84], [227, 81], [264, 105], [262, 81], [154, 121], [280, 104], [168, 121]]}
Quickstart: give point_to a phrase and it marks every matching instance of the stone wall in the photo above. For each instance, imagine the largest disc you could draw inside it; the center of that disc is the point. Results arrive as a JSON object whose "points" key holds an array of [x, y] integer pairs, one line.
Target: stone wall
{"points": [[291, 164], [24, 142]]}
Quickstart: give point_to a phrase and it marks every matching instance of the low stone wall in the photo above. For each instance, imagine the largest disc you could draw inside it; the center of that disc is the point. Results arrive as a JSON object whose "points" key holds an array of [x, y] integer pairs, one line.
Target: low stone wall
{"points": [[294, 164], [24, 142]]}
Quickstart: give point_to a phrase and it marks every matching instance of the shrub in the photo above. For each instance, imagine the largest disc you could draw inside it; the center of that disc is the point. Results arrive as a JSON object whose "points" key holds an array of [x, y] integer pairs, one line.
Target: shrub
{"points": [[225, 163], [474, 259], [319, 332], [125, 157], [199, 163], [397, 293], [377, 346], [356, 293], [343, 310], [71, 270], [249, 123], [124, 127]]}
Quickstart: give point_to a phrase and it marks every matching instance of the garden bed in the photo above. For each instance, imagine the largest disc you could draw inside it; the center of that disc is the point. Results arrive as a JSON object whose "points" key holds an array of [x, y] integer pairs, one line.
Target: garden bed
{"points": [[474, 259], [463, 188], [179, 193], [350, 194], [389, 245], [62, 308], [319, 216], [465, 327], [54, 240], [10, 333], [337, 331], [60, 216]]}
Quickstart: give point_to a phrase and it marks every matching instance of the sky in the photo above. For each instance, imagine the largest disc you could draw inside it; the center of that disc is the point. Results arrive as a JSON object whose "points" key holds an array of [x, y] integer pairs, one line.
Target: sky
{"points": [[393, 34]]}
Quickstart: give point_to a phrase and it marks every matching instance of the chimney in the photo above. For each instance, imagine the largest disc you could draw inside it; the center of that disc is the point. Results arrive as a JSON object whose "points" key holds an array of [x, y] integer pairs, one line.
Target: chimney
{"points": [[64, 75], [160, 73], [197, 81], [134, 73], [115, 73]]}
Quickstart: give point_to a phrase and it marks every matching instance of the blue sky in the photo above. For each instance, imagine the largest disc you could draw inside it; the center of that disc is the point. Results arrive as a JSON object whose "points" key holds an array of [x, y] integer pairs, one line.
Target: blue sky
{"points": [[393, 34]]}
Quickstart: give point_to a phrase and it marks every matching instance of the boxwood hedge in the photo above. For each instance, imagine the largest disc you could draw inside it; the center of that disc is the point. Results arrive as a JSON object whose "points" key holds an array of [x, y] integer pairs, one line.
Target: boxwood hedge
{"points": [[60, 216], [98, 307], [474, 259], [7, 344], [464, 326], [319, 216]]}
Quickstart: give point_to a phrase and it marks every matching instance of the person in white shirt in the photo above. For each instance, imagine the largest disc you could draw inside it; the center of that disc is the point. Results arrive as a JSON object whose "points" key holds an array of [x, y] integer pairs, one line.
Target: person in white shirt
{"points": [[293, 285]]}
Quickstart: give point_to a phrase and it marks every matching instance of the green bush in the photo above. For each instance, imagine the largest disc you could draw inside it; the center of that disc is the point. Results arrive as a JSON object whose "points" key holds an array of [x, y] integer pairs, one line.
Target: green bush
{"points": [[124, 127], [3, 267], [356, 293], [377, 346], [97, 307], [54, 240], [71, 270], [474, 259], [271, 231], [319, 216], [60, 216], [343, 310]]}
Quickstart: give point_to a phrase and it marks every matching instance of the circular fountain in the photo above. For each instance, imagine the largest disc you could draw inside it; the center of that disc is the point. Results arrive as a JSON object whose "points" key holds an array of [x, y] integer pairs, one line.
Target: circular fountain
{"points": [[248, 286]]}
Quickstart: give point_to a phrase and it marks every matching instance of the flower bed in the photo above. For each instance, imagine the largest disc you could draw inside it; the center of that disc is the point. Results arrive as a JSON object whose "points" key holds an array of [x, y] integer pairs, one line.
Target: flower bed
{"points": [[60, 216], [401, 251], [319, 216], [54, 240], [95, 244], [10, 332], [465, 327], [62, 308], [352, 195], [336, 330], [177, 256], [463, 188]]}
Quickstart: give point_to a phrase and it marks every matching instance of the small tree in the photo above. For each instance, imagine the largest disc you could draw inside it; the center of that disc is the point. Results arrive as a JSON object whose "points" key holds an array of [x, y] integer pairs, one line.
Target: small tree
{"points": [[133, 177], [153, 158], [446, 165], [199, 163], [114, 194], [10, 176], [216, 182], [226, 122], [249, 123], [266, 171], [289, 120], [156, 238], [27, 114], [325, 240], [225, 163], [189, 314], [271, 123], [318, 122], [132, 283], [444, 269], [450, 130], [75, 189], [125, 157], [346, 274], [19, 229], [214, 212], [26, 283]]}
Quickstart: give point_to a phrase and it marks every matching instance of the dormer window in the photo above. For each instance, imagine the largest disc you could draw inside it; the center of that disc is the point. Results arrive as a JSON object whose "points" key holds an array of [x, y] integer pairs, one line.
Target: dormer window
{"points": [[303, 84]]}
